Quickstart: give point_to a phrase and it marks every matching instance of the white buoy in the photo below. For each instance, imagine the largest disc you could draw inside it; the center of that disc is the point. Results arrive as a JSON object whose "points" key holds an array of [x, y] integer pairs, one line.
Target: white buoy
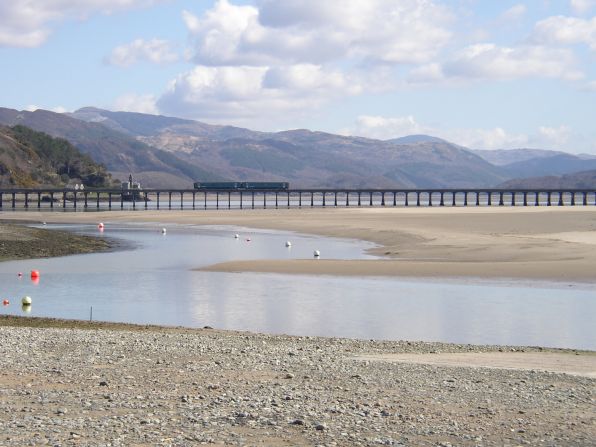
{"points": [[236, 236], [26, 301], [317, 254], [163, 231], [43, 223], [288, 244]]}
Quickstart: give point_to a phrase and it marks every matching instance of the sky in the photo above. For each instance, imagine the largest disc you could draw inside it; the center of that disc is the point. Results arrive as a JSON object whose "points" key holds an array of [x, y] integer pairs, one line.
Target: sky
{"points": [[486, 74]]}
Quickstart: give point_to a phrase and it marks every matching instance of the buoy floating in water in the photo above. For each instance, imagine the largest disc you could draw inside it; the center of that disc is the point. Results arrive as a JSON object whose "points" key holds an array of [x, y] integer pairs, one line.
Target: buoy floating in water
{"points": [[26, 301], [247, 239], [20, 275], [163, 231], [5, 302], [101, 226], [288, 244], [34, 274], [317, 254], [236, 236]]}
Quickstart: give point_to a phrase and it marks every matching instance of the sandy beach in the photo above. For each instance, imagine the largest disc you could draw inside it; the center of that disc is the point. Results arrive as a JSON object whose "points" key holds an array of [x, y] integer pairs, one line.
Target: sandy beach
{"points": [[525, 243]]}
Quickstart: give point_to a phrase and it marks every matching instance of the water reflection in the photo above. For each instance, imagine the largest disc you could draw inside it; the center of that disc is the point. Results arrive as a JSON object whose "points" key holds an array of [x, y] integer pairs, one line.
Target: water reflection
{"points": [[154, 284]]}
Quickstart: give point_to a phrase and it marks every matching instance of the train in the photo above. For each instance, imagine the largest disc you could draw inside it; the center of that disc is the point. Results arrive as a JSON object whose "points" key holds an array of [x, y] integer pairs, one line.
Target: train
{"points": [[242, 186]]}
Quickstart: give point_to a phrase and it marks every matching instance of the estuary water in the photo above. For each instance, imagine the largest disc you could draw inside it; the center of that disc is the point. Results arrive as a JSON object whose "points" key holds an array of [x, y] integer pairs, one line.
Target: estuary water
{"points": [[151, 280]]}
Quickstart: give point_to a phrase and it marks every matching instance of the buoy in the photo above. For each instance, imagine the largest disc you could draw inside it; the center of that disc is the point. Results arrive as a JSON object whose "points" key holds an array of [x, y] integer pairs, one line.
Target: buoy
{"points": [[26, 301], [247, 239], [163, 231], [317, 254], [34, 274], [236, 236], [19, 275], [5, 302], [44, 223], [100, 226], [288, 244]]}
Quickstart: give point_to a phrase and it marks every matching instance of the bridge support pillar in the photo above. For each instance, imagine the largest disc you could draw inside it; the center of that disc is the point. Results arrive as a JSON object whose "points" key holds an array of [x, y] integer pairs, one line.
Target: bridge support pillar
{"points": [[477, 198], [548, 199], [276, 200], [561, 202], [194, 197], [585, 198], [453, 194], [417, 198], [324, 199], [395, 198], [146, 198], [312, 199], [406, 199], [490, 198], [264, 200], [335, 200], [512, 198], [288, 199], [573, 198], [85, 194], [371, 201], [229, 200], [241, 200], [300, 199], [0, 200], [253, 200], [501, 203], [537, 198], [347, 198], [359, 201], [465, 198], [26, 200], [110, 200], [383, 199], [525, 199], [14, 200], [51, 200], [216, 200], [442, 203], [38, 200], [96, 200]]}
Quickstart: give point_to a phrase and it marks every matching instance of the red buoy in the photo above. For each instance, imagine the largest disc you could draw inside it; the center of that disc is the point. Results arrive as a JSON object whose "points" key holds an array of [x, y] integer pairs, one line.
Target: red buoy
{"points": [[34, 274], [100, 226], [6, 302]]}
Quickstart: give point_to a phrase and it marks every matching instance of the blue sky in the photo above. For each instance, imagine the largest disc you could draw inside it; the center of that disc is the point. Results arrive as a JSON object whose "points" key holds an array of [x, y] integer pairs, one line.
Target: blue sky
{"points": [[481, 73]]}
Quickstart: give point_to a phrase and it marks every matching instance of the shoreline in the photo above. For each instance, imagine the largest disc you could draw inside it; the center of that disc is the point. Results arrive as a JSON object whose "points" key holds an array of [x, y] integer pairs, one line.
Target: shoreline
{"points": [[518, 243], [147, 385]]}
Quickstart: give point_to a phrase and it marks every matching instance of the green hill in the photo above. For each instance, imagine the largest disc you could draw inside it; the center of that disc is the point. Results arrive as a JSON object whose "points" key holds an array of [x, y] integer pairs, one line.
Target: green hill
{"points": [[29, 158]]}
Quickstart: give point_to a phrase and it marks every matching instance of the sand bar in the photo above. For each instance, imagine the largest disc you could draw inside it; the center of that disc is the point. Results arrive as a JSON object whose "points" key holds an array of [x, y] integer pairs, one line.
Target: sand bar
{"points": [[555, 243]]}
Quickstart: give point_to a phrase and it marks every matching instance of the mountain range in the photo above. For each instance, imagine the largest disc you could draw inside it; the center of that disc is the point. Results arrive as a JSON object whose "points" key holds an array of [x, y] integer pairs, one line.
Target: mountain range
{"points": [[164, 151]]}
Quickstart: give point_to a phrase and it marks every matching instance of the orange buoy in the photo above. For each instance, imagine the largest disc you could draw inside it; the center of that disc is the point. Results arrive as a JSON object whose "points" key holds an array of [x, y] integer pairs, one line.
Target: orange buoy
{"points": [[6, 302], [34, 274]]}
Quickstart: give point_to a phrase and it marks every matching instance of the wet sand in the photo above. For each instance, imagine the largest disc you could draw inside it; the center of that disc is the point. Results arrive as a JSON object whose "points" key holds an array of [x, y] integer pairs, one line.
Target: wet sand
{"points": [[532, 243]]}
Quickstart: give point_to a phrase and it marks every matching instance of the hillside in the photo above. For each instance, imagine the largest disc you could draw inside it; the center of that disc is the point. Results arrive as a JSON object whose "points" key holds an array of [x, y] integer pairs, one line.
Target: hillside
{"points": [[29, 159], [305, 158], [579, 180], [120, 153]]}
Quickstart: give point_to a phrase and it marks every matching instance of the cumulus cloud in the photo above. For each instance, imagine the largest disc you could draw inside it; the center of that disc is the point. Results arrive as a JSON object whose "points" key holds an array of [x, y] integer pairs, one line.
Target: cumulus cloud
{"points": [[244, 92], [155, 51], [489, 61], [582, 6], [385, 128], [566, 31], [136, 103], [28, 23], [310, 31], [516, 12]]}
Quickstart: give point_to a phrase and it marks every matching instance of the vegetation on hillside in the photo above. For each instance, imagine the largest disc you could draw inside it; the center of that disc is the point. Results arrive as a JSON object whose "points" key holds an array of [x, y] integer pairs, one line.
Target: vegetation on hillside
{"points": [[29, 158]]}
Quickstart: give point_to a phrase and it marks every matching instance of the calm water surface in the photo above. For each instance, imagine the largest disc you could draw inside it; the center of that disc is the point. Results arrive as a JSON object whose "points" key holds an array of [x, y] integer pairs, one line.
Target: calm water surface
{"points": [[152, 282]]}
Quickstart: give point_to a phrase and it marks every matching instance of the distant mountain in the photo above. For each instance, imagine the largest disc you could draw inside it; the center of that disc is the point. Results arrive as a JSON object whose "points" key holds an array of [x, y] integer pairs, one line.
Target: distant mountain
{"points": [[29, 158], [502, 157], [558, 164], [410, 139], [580, 180], [120, 153], [305, 158]]}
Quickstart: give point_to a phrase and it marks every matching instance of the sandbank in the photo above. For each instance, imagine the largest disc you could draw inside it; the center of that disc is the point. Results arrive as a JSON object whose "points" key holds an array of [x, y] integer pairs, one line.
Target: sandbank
{"points": [[554, 243]]}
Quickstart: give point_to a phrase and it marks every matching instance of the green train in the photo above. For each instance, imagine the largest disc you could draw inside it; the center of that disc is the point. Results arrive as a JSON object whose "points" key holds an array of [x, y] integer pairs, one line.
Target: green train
{"points": [[242, 186]]}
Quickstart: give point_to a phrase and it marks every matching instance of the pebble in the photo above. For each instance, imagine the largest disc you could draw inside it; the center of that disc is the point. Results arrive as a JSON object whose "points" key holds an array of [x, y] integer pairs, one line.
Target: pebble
{"points": [[180, 387]]}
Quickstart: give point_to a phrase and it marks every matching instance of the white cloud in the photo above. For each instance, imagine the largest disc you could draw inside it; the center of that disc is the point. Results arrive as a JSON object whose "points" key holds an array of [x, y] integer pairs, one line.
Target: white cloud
{"points": [[311, 31], [566, 31], [516, 12], [136, 103], [252, 95], [58, 109], [582, 6], [489, 61], [385, 128], [27, 23], [155, 51]]}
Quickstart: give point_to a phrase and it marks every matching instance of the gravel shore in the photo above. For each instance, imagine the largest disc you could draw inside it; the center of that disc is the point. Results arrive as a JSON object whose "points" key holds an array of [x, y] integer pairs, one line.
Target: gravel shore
{"points": [[80, 384]]}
